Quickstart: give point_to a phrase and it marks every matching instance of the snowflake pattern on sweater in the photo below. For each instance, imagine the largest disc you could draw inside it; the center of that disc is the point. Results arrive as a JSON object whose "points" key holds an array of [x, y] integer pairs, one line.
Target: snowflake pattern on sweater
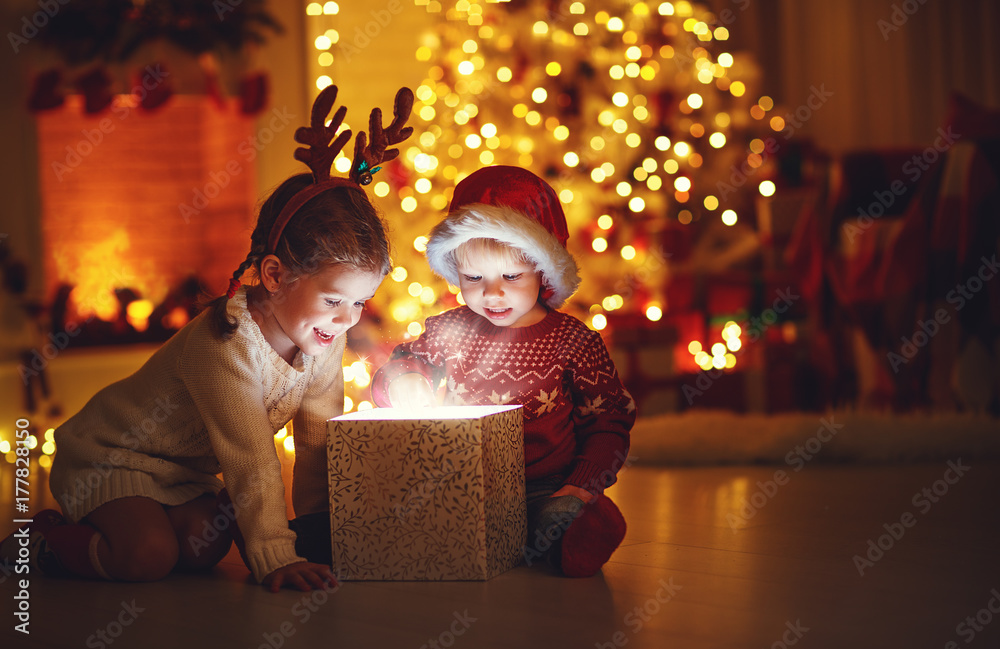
{"points": [[577, 413]]}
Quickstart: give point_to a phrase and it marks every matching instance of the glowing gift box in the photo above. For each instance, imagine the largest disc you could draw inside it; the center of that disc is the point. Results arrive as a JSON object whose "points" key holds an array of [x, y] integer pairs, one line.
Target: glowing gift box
{"points": [[427, 494]]}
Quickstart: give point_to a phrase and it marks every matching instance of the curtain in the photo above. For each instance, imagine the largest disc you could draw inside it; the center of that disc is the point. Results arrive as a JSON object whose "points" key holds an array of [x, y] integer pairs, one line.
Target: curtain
{"points": [[887, 67]]}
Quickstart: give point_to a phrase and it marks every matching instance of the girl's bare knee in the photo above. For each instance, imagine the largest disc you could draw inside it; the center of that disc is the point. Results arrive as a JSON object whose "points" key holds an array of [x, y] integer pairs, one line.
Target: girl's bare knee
{"points": [[203, 536], [148, 557]]}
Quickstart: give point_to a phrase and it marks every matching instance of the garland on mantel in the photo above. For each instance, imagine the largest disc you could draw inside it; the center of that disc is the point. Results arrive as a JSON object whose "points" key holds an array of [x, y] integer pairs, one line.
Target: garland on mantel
{"points": [[93, 34]]}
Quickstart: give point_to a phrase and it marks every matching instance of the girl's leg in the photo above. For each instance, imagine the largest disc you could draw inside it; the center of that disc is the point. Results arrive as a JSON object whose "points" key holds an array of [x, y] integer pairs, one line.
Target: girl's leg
{"points": [[138, 539], [203, 532]]}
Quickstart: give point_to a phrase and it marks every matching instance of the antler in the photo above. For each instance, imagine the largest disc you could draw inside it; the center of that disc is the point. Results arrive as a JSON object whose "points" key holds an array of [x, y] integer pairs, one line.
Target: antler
{"points": [[368, 155], [321, 152]]}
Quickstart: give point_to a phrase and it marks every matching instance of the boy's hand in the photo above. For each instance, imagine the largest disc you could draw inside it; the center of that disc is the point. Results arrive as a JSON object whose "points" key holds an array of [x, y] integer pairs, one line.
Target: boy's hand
{"points": [[570, 490], [410, 391], [302, 575]]}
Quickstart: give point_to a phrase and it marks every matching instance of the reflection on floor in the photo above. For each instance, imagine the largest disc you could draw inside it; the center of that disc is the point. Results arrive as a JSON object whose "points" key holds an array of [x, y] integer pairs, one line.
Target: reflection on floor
{"points": [[831, 556]]}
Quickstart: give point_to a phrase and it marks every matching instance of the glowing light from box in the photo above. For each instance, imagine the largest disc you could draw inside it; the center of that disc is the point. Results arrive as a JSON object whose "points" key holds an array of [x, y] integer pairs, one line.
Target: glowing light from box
{"points": [[281, 434], [289, 444]]}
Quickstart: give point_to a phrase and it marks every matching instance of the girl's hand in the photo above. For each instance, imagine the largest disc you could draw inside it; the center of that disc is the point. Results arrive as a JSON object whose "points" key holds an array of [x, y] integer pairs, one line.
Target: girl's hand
{"points": [[570, 490], [302, 575], [410, 391]]}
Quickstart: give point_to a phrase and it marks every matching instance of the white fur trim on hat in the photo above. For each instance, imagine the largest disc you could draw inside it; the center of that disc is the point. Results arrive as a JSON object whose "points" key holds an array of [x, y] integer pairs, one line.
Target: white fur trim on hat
{"points": [[481, 221]]}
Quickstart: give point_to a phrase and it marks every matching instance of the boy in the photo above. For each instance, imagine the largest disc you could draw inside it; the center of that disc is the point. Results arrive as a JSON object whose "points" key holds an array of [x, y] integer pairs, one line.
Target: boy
{"points": [[504, 244]]}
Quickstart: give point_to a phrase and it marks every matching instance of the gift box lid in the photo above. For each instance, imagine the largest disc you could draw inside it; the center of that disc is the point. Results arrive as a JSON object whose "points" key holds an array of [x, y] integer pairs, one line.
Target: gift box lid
{"points": [[436, 413]]}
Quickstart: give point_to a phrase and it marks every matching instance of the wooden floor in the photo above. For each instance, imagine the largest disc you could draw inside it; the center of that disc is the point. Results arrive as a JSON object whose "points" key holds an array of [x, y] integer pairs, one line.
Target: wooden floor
{"points": [[697, 570]]}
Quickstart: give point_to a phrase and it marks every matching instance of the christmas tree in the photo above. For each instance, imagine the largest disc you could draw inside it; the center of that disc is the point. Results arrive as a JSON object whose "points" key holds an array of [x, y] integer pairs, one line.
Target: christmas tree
{"points": [[635, 113]]}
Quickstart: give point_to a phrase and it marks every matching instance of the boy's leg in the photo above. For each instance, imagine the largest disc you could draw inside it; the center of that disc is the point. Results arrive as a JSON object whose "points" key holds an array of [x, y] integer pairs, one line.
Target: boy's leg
{"points": [[203, 531], [594, 535], [137, 540], [313, 540], [548, 519]]}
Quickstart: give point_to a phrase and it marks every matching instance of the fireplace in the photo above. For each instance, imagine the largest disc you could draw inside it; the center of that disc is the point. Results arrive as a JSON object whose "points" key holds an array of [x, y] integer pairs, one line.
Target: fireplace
{"points": [[141, 211]]}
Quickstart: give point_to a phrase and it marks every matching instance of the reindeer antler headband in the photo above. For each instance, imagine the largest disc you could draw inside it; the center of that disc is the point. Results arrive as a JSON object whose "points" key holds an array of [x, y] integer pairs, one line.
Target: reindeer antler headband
{"points": [[323, 148]]}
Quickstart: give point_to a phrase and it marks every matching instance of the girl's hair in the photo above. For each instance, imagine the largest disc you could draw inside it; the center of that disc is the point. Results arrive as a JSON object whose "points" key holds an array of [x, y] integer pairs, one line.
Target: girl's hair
{"points": [[339, 226], [479, 248]]}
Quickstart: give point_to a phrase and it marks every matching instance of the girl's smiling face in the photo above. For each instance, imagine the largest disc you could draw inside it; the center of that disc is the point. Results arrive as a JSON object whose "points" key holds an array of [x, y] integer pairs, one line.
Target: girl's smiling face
{"points": [[500, 286], [308, 312]]}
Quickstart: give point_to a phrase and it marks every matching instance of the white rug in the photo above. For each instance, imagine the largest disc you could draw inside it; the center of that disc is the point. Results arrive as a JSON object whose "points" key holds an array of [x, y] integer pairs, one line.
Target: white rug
{"points": [[719, 437]]}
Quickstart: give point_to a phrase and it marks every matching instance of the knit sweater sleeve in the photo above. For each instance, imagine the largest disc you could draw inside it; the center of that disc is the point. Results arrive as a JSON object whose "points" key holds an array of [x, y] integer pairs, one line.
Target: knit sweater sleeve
{"points": [[224, 381], [323, 399], [424, 356], [603, 414]]}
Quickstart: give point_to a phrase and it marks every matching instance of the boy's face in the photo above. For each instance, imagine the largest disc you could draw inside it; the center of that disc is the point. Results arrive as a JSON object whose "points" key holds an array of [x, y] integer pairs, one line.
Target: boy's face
{"points": [[505, 292]]}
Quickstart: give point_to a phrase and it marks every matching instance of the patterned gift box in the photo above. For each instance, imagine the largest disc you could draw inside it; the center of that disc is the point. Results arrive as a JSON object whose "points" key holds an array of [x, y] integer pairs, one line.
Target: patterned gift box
{"points": [[435, 493]]}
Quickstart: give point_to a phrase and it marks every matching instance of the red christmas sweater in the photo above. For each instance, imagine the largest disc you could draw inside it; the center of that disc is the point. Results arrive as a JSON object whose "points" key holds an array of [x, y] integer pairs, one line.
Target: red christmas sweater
{"points": [[577, 413]]}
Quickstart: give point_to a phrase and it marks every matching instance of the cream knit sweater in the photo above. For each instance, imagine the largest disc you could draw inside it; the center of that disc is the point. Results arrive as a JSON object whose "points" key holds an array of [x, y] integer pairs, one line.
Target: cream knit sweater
{"points": [[199, 406]]}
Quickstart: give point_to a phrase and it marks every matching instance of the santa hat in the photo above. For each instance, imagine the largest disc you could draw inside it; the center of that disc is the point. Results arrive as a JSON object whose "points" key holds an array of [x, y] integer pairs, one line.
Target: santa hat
{"points": [[515, 207]]}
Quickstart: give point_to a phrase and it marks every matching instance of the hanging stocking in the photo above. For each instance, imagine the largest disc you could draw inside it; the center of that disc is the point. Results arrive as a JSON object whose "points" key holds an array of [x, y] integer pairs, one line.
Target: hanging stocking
{"points": [[153, 91], [45, 93], [253, 93], [96, 89]]}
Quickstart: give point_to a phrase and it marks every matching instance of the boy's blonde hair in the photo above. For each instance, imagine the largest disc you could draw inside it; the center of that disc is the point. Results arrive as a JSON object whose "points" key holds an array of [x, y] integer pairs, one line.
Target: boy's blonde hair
{"points": [[491, 249]]}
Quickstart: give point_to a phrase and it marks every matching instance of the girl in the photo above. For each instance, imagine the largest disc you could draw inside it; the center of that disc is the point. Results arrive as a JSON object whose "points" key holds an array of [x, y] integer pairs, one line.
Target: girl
{"points": [[135, 469]]}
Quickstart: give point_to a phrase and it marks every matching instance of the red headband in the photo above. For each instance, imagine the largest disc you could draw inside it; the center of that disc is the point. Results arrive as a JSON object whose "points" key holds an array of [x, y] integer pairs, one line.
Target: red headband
{"points": [[323, 149]]}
